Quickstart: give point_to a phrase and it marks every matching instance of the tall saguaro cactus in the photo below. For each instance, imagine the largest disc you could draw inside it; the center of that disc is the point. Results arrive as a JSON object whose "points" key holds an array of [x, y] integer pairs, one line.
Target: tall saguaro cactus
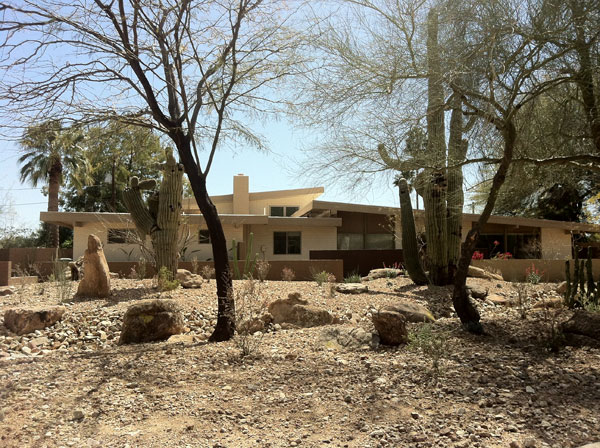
{"points": [[160, 216]]}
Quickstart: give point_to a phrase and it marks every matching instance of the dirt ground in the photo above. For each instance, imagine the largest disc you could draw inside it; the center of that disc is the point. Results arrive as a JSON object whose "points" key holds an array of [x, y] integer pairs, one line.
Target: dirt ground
{"points": [[71, 385]]}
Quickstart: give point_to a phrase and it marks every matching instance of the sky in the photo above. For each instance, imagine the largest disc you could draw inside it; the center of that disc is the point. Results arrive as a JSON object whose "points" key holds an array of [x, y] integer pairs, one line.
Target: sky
{"points": [[279, 169]]}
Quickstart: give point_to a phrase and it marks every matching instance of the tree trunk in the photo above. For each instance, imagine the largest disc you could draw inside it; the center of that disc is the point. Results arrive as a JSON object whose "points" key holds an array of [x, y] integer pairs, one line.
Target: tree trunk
{"points": [[410, 251], [225, 328], [585, 76], [468, 314], [54, 181], [435, 182], [457, 151]]}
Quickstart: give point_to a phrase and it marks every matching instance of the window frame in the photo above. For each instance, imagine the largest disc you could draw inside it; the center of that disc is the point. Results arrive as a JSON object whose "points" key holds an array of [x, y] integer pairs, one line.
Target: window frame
{"points": [[287, 251], [284, 210]]}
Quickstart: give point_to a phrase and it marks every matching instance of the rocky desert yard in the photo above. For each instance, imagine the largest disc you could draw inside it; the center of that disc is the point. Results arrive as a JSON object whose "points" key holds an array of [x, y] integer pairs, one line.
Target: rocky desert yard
{"points": [[72, 385]]}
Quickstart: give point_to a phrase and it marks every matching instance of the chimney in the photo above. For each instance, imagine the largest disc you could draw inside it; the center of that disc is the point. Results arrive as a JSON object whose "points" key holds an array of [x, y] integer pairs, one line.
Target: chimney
{"points": [[241, 195]]}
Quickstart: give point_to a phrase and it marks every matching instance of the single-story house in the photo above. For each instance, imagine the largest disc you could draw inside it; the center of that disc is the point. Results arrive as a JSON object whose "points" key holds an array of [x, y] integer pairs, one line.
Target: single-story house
{"points": [[293, 225]]}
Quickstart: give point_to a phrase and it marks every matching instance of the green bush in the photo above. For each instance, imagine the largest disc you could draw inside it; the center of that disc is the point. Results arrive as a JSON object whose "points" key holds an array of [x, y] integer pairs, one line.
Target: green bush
{"points": [[165, 280], [320, 277], [353, 278]]}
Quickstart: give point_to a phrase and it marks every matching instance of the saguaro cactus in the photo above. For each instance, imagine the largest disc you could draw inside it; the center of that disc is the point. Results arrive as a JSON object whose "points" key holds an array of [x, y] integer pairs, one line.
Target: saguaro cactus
{"points": [[160, 217], [410, 251]]}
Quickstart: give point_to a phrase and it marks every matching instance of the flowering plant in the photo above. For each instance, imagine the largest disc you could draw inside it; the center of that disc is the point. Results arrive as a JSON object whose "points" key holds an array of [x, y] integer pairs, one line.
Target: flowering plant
{"points": [[533, 274], [477, 255], [503, 256]]}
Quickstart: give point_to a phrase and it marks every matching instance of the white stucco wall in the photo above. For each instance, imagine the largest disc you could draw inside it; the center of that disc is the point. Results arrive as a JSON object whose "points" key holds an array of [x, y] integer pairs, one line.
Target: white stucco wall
{"points": [[312, 238], [556, 244]]}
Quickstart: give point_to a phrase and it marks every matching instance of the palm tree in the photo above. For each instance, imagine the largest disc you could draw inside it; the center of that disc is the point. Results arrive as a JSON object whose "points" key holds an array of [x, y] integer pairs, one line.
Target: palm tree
{"points": [[49, 153]]}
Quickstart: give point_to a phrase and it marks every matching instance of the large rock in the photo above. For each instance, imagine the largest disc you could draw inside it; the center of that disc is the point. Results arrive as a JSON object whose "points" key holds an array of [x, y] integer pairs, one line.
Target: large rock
{"points": [[477, 292], [351, 288], [348, 338], [499, 300], [151, 320], [27, 320], [383, 273], [585, 323], [412, 312], [188, 280], [296, 311], [391, 327], [482, 273], [6, 290], [96, 279], [561, 288]]}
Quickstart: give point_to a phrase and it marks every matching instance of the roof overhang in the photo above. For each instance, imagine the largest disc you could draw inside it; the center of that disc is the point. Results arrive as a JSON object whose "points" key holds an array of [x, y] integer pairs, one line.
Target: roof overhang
{"points": [[326, 208], [78, 219]]}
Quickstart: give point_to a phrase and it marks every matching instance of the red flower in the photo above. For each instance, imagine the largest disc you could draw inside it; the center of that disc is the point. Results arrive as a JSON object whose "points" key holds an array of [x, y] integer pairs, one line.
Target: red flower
{"points": [[496, 243]]}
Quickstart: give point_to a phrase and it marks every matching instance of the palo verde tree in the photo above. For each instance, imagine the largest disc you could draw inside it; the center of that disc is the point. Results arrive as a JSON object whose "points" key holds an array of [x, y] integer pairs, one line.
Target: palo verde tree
{"points": [[187, 69]]}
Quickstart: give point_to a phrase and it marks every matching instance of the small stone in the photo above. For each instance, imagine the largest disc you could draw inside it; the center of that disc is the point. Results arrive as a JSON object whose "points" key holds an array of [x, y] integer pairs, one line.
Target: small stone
{"points": [[530, 390], [26, 350], [78, 415], [415, 415]]}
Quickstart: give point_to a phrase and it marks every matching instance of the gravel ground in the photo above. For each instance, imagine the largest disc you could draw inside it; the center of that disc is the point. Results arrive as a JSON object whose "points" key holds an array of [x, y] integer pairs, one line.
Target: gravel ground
{"points": [[72, 385]]}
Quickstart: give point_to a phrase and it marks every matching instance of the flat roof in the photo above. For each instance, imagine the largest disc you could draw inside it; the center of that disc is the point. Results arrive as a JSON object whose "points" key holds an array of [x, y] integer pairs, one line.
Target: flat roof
{"points": [[327, 208], [76, 219]]}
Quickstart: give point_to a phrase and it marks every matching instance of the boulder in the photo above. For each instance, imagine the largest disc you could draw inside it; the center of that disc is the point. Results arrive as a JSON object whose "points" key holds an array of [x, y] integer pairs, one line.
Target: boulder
{"points": [[296, 311], [585, 323], [151, 320], [383, 273], [591, 445], [188, 280], [96, 280], [482, 273], [477, 292], [554, 302], [499, 300], [6, 290], [113, 275], [412, 312], [391, 327], [351, 288], [27, 320], [348, 338], [561, 288]]}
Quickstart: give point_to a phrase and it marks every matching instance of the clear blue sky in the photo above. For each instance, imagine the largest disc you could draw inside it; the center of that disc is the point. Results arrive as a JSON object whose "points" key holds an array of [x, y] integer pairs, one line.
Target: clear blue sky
{"points": [[280, 169]]}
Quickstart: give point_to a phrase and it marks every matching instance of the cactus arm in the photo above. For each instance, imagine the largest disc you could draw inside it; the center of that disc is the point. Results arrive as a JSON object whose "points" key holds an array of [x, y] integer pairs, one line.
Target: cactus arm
{"points": [[410, 250], [137, 209], [248, 264]]}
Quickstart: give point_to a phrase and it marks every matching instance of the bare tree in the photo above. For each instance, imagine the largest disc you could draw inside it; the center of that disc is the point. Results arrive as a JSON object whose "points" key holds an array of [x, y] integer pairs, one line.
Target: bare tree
{"points": [[187, 69]]}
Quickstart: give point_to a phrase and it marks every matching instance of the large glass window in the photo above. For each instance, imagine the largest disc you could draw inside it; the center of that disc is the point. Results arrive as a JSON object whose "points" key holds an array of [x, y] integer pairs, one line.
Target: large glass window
{"points": [[379, 241], [283, 210], [287, 243], [350, 241]]}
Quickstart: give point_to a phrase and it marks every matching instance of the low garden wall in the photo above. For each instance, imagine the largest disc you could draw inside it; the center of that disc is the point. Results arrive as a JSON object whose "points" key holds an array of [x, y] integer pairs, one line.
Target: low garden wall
{"points": [[516, 270], [302, 268]]}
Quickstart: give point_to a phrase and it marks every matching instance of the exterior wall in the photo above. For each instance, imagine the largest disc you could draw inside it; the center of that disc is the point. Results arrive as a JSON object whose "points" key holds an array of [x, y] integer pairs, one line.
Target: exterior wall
{"points": [[311, 238], [556, 244], [5, 272], [261, 206], [515, 270], [302, 268], [131, 252]]}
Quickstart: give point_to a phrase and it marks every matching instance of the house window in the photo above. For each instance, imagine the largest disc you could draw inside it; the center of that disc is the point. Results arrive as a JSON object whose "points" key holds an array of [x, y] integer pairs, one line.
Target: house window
{"points": [[379, 241], [350, 241], [120, 236], [281, 210], [203, 237], [286, 243]]}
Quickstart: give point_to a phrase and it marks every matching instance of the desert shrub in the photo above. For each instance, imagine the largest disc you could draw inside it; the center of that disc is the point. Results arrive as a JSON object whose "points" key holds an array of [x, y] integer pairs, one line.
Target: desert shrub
{"points": [[287, 274], [249, 311], [208, 272], [165, 280], [262, 269], [320, 277], [354, 277], [533, 274], [195, 265], [63, 282], [432, 344]]}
